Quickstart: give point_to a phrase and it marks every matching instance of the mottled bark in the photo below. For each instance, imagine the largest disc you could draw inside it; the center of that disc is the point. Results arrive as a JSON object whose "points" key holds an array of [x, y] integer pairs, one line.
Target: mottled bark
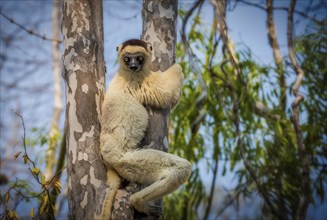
{"points": [[84, 73], [159, 29], [58, 106]]}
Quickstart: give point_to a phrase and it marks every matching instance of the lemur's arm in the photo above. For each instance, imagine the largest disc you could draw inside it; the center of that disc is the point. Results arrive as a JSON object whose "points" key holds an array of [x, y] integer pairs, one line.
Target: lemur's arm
{"points": [[163, 89]]}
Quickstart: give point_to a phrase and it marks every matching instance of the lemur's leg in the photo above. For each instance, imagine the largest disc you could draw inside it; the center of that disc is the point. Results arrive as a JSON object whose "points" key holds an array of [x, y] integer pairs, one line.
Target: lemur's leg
{"points": [[114, 184], [163, 171]]}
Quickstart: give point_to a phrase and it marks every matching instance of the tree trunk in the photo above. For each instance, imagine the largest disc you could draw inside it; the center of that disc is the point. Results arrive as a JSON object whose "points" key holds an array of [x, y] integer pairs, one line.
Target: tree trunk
{"points": [[220, 13], [57, 108], [305, 195], [159, 29], [272, 37], [84, 73]]}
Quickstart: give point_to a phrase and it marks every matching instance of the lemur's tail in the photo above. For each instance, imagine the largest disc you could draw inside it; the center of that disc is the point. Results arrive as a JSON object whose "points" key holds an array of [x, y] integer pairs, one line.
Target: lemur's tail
{"points": [[114, 184]]}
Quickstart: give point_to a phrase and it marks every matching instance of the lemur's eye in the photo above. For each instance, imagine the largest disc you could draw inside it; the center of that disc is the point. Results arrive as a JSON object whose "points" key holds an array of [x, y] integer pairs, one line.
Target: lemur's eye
{"points": [[126, 59], [140, 58]]}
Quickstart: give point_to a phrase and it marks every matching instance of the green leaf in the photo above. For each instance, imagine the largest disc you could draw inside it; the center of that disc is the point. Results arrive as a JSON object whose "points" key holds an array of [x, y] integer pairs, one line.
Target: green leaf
{"points": [[13, 215], [36, 170], [25, 158], [7, 197], [43, 181], [32, 213], [44, 203]]}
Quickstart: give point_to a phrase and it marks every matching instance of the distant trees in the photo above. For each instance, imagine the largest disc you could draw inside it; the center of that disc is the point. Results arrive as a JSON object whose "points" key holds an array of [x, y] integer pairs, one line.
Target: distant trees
{"points": [[242, 116]]}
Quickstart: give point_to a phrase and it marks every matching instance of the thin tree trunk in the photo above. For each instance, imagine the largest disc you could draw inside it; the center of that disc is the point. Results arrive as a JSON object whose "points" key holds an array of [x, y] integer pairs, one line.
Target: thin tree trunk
{"points": [[84, 73], [220, 12], [272, 37], [159, 29], [271, 29], [304, 201], [58, 106]]}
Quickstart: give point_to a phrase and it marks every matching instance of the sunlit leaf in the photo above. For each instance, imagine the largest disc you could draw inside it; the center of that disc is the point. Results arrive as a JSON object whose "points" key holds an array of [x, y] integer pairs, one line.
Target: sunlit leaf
{"points": [[13, 215], [17, 155], [32, 213], [25, 158], [43, 181], [44, 203], [7, 197], [36, 170]]}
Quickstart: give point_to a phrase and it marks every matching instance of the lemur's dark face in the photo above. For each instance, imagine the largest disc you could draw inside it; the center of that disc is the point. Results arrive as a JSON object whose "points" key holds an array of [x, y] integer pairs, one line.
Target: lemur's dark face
{"points": [[134, 61]]}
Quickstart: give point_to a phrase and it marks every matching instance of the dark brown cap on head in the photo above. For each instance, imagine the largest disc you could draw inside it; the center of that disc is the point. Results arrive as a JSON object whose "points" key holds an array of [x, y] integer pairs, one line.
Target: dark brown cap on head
{"points": [[135, 42]]}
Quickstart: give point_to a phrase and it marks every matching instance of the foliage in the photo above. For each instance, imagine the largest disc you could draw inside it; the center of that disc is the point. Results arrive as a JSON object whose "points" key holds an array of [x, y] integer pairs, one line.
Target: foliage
{"points": [[312, 52], [264, 154], [21, 190]]}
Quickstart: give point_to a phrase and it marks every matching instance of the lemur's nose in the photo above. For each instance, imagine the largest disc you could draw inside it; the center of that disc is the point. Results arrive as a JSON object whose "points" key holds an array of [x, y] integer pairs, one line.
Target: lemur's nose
{"points": [[133, 67]]}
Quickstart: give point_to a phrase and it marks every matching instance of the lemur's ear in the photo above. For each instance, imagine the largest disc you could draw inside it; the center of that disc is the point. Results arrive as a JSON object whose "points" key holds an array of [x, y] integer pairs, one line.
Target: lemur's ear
{"points": [[118, 48], [149, 47]]}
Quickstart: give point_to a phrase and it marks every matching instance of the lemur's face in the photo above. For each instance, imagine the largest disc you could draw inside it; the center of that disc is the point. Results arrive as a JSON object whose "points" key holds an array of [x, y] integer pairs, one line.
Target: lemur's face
{"points": [[134, 61]]}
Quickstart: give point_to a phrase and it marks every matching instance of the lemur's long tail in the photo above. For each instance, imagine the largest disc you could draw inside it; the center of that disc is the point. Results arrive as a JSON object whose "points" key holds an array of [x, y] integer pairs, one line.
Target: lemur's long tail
{"points": [[114, 184]]}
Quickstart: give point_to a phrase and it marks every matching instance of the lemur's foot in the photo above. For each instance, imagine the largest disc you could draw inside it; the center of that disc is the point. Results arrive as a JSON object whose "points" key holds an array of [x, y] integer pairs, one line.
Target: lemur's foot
{"points": [[146, 208]]}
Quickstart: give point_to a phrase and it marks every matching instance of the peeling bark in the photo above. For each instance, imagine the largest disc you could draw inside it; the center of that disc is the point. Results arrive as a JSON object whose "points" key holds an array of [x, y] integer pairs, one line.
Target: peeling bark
{"points": [[84, 73], [159, 29]]}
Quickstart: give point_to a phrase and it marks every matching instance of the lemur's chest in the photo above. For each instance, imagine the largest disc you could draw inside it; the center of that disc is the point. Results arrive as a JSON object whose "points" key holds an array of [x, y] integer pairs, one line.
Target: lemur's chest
{"points": [[137, 90]]}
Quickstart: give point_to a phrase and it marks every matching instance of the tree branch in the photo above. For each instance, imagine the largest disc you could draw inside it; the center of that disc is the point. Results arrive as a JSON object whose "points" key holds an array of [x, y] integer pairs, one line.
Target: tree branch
{"points": [[277, 54], [29, 31], [220, 9], [195, 68], [323, 22], [305, 198]]}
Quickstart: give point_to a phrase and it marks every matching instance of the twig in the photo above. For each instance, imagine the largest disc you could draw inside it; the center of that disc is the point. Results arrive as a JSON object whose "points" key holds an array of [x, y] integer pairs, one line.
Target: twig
{"points": [[187, 16], [232, 198], [215, 173], [24, 141], [45, 186], [305, 198], [29, 31], [195, 68], [323, 22]]}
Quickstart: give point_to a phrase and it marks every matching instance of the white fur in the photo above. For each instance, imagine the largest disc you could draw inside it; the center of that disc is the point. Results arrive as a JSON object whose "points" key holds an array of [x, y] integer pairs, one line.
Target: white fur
{"points": [[123, 125]]}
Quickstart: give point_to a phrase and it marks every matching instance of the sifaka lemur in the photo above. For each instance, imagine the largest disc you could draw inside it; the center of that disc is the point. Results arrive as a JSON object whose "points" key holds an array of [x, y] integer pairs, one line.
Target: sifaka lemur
{"points": [[124, 121]]}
